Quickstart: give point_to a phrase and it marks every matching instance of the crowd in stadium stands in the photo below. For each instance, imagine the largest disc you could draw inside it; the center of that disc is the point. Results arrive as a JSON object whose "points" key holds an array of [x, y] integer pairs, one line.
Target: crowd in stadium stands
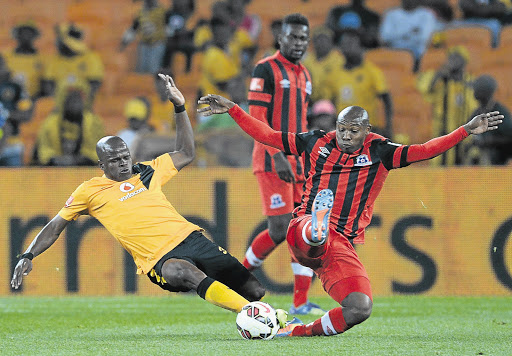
{"points": [[49, 112]]}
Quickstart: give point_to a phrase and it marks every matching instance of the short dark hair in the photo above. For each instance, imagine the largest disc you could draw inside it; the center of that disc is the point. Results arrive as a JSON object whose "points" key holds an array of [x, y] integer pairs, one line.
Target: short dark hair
{"points": [[216, 22], [296, 19]]}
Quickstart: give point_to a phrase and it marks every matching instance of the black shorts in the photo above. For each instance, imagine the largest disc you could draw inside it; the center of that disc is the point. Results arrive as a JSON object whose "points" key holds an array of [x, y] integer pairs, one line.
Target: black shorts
{"points": [[209, 257]]}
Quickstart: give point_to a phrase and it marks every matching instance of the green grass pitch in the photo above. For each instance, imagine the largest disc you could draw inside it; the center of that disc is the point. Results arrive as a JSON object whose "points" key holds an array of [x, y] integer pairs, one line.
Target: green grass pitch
{"points": [[187, 325]]}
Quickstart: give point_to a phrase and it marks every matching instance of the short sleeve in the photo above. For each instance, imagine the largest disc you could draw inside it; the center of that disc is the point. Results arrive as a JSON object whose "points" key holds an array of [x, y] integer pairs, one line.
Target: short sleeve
{"points": [[164, 167], [76, 205]]}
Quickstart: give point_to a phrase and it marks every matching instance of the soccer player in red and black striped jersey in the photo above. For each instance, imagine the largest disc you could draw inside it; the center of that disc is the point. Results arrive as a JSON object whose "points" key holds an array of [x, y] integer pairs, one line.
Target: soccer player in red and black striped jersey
{"points": [[345, 171], [279, 96]]}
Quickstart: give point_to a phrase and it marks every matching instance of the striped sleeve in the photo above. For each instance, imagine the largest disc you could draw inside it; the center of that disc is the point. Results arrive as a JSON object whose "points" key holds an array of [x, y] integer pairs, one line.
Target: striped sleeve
{"points": [[394, 155]]}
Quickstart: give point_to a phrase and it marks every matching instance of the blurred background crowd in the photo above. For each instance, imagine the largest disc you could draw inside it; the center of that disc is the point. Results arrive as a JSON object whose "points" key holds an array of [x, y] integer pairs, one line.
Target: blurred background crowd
{"points": [[72, 71]]}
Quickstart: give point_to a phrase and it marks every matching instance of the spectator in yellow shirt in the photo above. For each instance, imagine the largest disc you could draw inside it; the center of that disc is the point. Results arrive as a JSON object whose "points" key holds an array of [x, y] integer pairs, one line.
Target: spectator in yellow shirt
{"points": [[359, 82], [25, 62], [73, 63]]}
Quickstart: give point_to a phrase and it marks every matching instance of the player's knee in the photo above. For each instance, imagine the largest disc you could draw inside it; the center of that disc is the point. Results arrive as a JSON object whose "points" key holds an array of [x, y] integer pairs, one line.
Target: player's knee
{"points": [[182, 274], [253, 290], [357, 307]]}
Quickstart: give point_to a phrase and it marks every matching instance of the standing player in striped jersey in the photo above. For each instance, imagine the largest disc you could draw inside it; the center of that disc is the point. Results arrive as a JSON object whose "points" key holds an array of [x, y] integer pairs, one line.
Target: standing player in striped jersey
{"points": [[345, 171], [279, 96]]}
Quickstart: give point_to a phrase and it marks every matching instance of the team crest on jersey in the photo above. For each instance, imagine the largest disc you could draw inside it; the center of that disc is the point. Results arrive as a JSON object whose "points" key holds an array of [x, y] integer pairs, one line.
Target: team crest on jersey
{"points": [[69, 201], [276, 201], [257, 84], [285, 83], [126, 187], [324, 151], [309, 88], [362, 160]]}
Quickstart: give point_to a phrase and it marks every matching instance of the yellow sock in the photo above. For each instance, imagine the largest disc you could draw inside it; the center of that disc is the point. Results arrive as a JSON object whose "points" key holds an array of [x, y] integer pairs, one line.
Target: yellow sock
{"points": [[220, 295]]}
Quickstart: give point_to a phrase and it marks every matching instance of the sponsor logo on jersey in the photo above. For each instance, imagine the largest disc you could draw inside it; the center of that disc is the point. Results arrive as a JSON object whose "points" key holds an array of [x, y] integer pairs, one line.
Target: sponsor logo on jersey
{"points": [[132, 194], [285, 83], [126, 187], [324, 151], [276, 201], [257, 84], [362, 160], [309, 87], [69, 201]]}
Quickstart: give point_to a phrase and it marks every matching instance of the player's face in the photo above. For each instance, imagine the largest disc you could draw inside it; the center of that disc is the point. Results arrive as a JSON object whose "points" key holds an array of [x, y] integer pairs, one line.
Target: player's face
{"points": [[350, 134], [293, 41], [117, 163]]}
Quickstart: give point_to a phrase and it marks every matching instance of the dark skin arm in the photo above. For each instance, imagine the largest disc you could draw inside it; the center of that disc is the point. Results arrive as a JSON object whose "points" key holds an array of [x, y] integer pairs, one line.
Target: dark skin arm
{"points": [[44, 239], [185, 148]]}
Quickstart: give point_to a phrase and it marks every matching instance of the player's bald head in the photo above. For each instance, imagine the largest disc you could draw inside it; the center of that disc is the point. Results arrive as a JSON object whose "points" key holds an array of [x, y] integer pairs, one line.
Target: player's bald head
{"points": [[353, 115], [108, 145]]}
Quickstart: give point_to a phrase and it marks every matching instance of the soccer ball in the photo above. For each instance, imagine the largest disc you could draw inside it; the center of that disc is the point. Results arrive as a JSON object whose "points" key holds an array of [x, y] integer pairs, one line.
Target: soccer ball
{"points": [[257, 320]]}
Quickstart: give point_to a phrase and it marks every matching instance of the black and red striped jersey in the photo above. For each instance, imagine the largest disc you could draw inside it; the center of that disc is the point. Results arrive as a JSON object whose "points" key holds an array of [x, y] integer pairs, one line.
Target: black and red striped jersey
{"points": [[279, 94], [356, 179]]}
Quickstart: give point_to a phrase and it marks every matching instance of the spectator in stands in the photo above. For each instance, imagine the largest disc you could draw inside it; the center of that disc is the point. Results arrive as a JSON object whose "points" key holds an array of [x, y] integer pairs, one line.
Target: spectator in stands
{"points": [[275, 29], [240, 41], [408, 27], [137, 113], [487, 13], [149, 24], [221, 64], [18, 109], [355, 15], [323, 60], [180, 35], [450, 91], [359, 82], [493, 147], [73, 63], [323, 116], [25, 62], [242, 20], [68, 135]]}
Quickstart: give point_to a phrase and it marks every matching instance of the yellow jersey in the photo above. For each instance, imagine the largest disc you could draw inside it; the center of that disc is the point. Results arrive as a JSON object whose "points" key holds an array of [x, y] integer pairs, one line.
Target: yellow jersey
{"points": [[135, 211], [26, 70], [82, 67], [460, 102], [357, 86], [218, 66], [322, 69]]}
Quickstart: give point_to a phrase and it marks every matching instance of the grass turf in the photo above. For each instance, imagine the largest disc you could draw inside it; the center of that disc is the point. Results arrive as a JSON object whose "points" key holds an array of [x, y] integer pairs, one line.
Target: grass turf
{"points": [[187, 325]]}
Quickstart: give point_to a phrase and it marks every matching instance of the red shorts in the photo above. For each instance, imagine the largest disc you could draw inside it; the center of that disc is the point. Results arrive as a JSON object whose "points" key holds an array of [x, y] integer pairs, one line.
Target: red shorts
{"points": [[337, 263], [277, 196]]}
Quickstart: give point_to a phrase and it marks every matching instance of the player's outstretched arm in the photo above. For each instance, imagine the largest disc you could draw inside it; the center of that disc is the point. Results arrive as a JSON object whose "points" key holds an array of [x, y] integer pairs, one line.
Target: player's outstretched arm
{"points": [[255, 128], [478, 125], [46, 237], [185, 148]]}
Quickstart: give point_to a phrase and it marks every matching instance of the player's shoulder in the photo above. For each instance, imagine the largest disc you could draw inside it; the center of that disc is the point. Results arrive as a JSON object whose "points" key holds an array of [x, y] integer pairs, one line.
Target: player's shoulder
{"points": [[267, 59], [374, 138]]}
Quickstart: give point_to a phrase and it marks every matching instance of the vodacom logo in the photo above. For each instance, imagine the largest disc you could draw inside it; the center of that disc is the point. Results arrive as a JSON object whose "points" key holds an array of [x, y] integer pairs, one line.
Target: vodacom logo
{"points": [[126, 187]]}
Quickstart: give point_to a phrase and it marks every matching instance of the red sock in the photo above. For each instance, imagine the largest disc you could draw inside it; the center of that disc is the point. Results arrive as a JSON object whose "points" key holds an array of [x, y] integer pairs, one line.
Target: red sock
{"points": [[331, 323], [259, 250], [303, 276]]}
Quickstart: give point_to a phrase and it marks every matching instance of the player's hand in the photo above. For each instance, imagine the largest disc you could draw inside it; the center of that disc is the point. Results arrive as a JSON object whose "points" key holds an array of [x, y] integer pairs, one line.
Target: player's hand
{"points": [[173, 93], [23, 268], [283, 168], [484, 122], [216, 105]]}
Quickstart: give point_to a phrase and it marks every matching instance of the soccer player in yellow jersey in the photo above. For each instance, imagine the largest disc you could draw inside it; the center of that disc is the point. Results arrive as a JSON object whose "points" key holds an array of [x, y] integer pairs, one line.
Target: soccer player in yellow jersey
{"points": [[129, 202]]}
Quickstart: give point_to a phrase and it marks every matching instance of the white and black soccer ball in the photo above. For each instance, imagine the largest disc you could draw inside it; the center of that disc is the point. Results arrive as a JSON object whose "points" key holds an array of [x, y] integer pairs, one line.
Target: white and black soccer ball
{"points": [[257, 320]]}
